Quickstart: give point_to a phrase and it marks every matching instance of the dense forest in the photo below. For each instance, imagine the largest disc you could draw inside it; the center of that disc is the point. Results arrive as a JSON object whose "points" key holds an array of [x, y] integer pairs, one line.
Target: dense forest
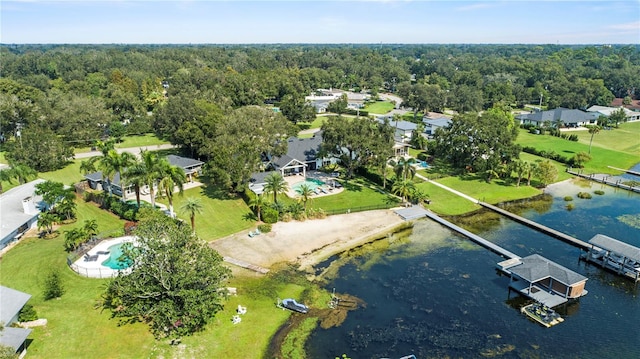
{"points": [[54, 97]]}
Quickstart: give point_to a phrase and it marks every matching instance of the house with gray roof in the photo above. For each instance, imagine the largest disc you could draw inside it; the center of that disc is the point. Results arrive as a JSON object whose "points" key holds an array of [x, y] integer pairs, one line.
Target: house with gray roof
{"points": [[568, 117], [545, 281], [11, 303], [432, 124], [607, 111], [20, 208], [190, 166], [403, 129]]}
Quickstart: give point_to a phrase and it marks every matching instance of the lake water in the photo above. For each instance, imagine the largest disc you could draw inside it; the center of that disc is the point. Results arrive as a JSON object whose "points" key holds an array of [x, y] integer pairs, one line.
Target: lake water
{"points": [[435, 294]]}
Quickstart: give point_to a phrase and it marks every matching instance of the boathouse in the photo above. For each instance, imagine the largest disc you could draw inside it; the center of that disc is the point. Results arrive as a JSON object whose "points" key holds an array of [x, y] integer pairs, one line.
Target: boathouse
{"points": [[544, 281], [615, 255]]}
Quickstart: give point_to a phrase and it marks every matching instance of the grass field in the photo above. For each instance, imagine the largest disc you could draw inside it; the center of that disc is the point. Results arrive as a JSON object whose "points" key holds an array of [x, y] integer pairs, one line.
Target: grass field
{"points": [[317, 123], [132, 141], [602, 155], [625, 139], [379, 107]]}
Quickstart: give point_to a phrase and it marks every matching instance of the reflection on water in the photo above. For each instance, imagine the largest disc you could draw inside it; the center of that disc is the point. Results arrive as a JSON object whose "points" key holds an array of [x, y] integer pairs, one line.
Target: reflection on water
{"points": [[436, 294]]}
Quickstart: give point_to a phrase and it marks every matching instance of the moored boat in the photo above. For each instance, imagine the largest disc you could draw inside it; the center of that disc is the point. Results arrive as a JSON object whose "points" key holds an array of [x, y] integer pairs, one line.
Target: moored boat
{"points": [[542, 314], [291, 304]]}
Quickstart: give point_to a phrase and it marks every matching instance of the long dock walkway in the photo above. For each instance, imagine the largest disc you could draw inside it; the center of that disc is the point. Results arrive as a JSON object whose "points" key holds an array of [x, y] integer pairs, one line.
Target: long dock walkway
{"points": [[610, 180], [539, 227], [481, 241], [246, 265], [635, 173]]}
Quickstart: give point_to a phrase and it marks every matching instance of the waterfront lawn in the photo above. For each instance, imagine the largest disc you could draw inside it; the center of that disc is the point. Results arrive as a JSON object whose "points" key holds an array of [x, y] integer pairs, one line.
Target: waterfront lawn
{"points": [[379, 107], [495, 192], [444, 202], [221, 215], [623, 139], [601, 157], [358, 193]]}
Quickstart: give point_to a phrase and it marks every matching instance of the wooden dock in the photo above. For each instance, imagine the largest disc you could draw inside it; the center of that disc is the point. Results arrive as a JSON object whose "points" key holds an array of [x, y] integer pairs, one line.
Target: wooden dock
{"points": [[606, 179], [481, 241], [246, 265], [537, 226]]}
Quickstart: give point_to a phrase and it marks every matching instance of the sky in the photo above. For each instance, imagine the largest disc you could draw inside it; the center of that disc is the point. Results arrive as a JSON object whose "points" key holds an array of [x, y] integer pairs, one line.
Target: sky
{"points": [[304, 21]]}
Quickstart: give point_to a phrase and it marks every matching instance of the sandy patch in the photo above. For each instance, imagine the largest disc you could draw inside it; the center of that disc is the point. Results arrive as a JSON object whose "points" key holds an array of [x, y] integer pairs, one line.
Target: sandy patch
{"points": [[310, 241]]}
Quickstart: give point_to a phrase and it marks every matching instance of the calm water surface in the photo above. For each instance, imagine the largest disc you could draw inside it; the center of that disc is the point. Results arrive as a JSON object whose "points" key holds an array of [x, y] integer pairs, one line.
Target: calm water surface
{"points": [[436, 294]]}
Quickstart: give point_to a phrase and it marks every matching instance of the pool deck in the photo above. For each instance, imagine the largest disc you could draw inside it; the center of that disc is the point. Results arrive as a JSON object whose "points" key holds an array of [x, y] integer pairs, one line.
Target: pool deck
{"points": [[95, 269], [325, 190]]}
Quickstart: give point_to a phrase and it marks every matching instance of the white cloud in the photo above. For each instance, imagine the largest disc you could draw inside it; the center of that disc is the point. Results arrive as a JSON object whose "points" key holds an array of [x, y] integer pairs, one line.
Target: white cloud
{"points": [[476, 6], [629, 26]]}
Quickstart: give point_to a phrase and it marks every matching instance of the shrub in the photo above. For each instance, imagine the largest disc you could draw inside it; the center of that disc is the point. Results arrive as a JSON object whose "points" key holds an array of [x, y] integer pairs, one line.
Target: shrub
{"points": [[584, 195], [269, 215], [286, 217], [53, 287], [27, 313], [568, 198], [599, 192], [264, 228], [570, 206]]}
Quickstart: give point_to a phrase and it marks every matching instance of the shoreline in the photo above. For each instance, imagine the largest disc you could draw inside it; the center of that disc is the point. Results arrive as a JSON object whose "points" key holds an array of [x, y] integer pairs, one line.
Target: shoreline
{"points": [[306, 243]]}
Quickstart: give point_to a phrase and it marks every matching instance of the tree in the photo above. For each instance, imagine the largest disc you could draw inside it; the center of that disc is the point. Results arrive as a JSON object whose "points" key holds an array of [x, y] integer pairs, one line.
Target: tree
{"points": [[295, 109], [356, 142], [175, 281], [53, 286], [39, 148], [339, 105], [403, 188], [171, 177], [618, 116], [257, 203], [134, 175], [149, 171], [23, 173], [404, 168], [6, 175], [46, 220], [305, 193], [192, 206], [580, 159], [546, 172], [115, 163], [520, 168], [530, 169], [73, 238], [51, 192], [593, 130], [275, 184]]}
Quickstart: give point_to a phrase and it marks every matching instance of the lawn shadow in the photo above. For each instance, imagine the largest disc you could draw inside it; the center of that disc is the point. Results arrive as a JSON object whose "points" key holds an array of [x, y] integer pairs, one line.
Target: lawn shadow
{"points": [[214, 191]]}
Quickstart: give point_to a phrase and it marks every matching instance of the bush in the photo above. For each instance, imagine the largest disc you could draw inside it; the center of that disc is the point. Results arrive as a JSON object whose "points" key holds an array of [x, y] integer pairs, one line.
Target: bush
{"points": [[570, 206], [269, 215], [599, 192], [286, 217], [53, 287], [264, 228], [568, 198], [27, 313], [584, 195]]}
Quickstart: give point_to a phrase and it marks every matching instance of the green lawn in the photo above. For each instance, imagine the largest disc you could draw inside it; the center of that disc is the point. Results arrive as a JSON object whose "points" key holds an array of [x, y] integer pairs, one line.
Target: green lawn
{"points": [[379, 107], [601, 157], [625, 139], [495, 192], [444, 202], [132, 141], [317, 123]]}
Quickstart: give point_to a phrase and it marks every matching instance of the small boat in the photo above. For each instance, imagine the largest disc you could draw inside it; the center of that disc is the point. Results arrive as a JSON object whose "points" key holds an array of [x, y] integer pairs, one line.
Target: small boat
{"points": [[291, 304], [542, 314]]}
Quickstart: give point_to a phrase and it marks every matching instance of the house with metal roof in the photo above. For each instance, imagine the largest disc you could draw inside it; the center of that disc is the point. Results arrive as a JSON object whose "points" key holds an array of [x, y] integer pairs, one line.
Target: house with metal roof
{"points": [[617, 256], [190, 166], [567, 117], [11, 304], [432, 124], [20, 208], [544, 281], [608, 111]]}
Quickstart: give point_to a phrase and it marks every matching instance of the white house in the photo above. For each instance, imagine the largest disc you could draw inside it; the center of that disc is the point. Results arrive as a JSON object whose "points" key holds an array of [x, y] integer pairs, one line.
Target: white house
{"points": [[19, 208], [568, 117], [11, 303], [608, 111]]}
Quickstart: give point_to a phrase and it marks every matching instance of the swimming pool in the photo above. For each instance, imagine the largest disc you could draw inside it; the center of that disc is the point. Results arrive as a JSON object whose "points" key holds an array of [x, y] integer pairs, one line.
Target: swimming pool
{"points": [[116, 259], [311, 182]]}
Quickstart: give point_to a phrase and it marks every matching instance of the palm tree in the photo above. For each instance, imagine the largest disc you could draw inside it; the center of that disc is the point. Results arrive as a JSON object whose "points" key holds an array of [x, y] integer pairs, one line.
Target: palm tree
{"points": [[593, 130], [520, 168], [115, 163], [191, 207], [257, 203], [151, 171], [134, 175], [404, 167], [46, 220], [305, 192], [66, 206], [403, 188], [530, 169], [23, 173], [170, 177], [275, 184], [91, 227]]}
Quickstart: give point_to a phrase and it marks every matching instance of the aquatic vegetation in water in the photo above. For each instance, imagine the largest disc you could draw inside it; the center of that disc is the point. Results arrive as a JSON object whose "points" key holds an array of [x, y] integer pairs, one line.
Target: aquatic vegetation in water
{"points": [[568, 198], [632, 220], [599, 192], [584, 195], [570, 206]]}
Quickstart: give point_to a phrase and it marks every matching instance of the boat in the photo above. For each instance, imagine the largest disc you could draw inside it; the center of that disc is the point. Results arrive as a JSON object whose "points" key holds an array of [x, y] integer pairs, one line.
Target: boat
{"points": [[542, 314], [291, 304]]}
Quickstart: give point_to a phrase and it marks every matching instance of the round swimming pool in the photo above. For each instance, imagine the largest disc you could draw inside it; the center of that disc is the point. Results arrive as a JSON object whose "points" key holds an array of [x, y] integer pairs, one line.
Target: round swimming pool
{"points": [[116, 259]]}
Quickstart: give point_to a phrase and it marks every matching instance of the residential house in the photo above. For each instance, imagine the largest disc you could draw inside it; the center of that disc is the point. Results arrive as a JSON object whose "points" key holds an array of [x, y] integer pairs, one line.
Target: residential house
{"points": [[20, 208], [633, 106], [302, 156], [190, 166], [608, 111], [567, 117], [321, 99], [403, 129], [432, 124], [11, 303]]}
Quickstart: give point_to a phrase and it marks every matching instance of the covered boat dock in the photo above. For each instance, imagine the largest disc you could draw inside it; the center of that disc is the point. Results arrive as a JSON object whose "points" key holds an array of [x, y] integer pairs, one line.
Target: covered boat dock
{"points": [[617, 256], [544, 281]]}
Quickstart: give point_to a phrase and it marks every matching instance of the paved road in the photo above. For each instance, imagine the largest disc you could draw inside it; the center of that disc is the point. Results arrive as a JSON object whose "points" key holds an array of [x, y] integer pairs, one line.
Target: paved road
{"points": [[134, 150]]}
